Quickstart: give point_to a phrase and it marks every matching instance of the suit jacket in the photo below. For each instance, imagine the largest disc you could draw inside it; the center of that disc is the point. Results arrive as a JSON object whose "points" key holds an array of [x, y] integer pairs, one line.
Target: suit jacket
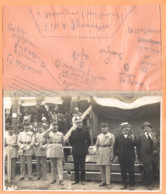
{"points": [[145, 149], [80, 141], [124, 148]]}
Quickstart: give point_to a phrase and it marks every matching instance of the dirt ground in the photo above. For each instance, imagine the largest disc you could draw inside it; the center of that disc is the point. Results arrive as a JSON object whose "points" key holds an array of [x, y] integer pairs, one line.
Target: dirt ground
{"points": [[89, 185]]}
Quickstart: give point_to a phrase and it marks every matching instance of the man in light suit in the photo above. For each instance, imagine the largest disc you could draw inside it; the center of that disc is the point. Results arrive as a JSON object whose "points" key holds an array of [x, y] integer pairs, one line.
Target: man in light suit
{"points": [[147, 149]]}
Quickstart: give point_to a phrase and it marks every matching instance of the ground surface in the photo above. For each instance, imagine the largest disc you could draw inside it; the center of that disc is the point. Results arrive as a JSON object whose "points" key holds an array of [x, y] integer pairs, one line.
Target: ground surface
{"points": [[45, 185]]}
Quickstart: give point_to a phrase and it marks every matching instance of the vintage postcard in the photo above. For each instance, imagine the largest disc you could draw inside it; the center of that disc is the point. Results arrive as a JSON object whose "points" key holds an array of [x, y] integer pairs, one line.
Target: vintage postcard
{"points": [[83, 96]]}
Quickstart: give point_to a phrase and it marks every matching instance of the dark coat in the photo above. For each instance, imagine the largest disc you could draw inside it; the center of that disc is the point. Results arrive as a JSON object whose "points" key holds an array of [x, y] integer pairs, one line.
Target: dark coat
{"points": [[80, 141], [145, 150], [124, 148]]}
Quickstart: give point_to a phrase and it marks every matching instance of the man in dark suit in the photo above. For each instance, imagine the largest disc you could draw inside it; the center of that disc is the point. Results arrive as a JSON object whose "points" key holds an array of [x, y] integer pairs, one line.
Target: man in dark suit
{"points": [[147, 149], [124, 150], [80, 141]]}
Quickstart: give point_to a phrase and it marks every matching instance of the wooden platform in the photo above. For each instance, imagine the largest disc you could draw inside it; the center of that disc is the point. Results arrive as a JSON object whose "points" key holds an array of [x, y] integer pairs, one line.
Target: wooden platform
{"points": [[95, 176], [93, 171]]}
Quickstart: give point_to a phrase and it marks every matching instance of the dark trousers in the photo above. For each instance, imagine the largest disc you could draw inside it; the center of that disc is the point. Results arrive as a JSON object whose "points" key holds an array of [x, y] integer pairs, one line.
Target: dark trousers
{"points": [[148, 173], [127, 167], [79, 161]]}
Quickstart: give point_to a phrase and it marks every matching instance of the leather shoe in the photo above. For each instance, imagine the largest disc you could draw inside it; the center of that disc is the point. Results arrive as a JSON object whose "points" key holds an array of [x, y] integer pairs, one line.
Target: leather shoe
{"points": [[61, 182], [102, 184], [124, 187], [131, 188], [53, 181], [21, 178], [38, 178], [75, 183], [149, 187], [108, 186], [30, 179]]}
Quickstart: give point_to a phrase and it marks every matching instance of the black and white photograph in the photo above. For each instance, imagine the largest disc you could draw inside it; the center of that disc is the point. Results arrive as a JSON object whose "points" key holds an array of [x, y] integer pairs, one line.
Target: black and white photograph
{"points": [[82, 143]]}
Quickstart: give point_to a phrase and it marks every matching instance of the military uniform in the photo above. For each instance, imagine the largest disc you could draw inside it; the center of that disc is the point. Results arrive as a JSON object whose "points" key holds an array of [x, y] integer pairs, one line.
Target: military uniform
{"points": [[104, 145], [40, 153], [10, 147], [25, 143], [55, 153]]}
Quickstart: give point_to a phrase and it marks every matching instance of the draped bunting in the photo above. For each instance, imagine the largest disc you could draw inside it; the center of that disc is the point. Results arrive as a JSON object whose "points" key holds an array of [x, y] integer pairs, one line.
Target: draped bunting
{"points": [[114, 109]]}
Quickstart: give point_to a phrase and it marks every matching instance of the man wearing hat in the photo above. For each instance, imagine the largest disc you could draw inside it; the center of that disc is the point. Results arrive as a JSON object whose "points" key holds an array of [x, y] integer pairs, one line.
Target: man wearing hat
{"points": [[104, 147], [76, 114], [45, 123], [147, 149], [40, 152], [124, 150], [80, 141], [55, 151], [10, 149], [25, 143]]}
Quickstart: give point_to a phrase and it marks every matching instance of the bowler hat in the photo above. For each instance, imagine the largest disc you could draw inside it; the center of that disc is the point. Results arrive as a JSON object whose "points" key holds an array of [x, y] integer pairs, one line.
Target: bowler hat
{"points": [[146, 124]]}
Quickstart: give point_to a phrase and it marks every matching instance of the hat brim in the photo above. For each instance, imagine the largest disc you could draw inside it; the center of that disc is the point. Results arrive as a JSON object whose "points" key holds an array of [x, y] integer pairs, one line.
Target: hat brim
{"points": [[146, 125]]}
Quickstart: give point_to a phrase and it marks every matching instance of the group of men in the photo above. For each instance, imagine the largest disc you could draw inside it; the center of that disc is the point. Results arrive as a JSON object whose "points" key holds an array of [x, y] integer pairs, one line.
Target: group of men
{"points": [[49, 144], [122, 147], [43, 144]]}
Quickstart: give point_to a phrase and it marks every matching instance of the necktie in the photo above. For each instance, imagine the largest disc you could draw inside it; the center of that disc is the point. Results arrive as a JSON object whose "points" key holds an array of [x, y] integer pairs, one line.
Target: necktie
{"points": [[150, 139]]}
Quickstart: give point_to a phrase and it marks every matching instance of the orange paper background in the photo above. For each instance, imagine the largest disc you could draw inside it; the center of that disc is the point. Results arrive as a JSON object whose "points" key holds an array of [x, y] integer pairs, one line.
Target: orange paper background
{"points": [[82, 47], [162, 3]]}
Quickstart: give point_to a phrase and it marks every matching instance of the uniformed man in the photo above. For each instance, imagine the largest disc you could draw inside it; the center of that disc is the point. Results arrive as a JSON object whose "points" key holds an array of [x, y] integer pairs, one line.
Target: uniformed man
{"points": [[25, 143], [55, 151], [40, 152], [11, 149], [34, 127], [104, 147]]}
